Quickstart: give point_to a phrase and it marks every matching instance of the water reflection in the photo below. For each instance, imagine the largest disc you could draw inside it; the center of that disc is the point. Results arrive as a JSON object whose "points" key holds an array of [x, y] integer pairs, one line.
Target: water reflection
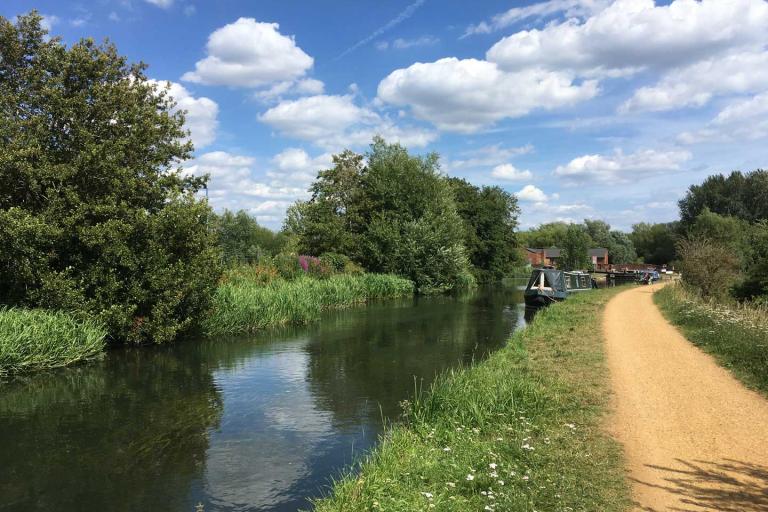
{"points": [[240, 424]]}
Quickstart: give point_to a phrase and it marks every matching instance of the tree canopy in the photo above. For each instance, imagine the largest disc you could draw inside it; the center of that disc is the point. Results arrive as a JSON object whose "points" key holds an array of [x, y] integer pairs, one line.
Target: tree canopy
{"points": [[744, 196], [95, 215]]}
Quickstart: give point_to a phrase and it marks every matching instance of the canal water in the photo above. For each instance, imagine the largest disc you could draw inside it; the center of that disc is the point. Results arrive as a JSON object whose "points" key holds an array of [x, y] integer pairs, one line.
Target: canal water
{"points": [[261, 423]]}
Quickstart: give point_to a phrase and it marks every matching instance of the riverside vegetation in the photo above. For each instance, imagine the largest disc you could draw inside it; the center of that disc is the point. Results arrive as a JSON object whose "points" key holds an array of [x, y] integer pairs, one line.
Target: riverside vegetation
{"points": [[520, 431]]}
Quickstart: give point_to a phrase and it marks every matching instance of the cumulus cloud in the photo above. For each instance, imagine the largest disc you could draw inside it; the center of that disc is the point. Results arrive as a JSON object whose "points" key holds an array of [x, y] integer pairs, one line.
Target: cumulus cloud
{"points": [[537, 11], [335, 122], [745, 119], [248, 53], [486, 157], [630, 35], [622, 167], [510, 173], [294, 165], [466, 95], [696, 84], [201, 117], [531, 193], [305, 86]]}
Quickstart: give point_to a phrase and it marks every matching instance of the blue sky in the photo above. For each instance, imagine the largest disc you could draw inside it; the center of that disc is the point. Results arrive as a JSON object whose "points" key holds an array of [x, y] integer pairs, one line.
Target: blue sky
{"points": [[583, 108]]}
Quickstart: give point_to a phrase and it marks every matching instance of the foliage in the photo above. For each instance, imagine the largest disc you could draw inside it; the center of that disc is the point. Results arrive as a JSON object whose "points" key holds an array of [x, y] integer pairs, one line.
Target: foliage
{"points": [[575, 248], [545, 235], [33, 339], [490, 218], [518, 431], [655, 243], [736, 334], [94, 216], [744, 196], [242, 240], [394, 215], [755, 267], [336, 261], [243, 306], [619, 245], [287, 266], [708, 266]]}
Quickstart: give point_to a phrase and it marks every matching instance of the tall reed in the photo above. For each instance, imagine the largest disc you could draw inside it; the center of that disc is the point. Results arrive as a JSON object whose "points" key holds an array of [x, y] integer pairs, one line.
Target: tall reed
{"points": [[34, 339], [243, 305]]}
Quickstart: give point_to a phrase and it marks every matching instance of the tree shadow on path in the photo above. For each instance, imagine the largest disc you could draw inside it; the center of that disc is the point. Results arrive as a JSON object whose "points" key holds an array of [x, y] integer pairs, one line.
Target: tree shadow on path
{"points": [[726, 486]]}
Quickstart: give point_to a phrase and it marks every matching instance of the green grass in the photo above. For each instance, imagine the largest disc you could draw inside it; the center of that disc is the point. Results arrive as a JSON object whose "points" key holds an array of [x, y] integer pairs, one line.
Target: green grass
{"points": [[242, 305], [32, 339], [736, 335], [521, 431]]}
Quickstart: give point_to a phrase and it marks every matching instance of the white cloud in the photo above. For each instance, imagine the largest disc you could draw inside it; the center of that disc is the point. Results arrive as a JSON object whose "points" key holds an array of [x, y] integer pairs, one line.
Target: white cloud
{"points": [[336, 121], [189, 10], [486, 157], [466, 95], [630, 35], [745, 119], [201, 117], [695, 85], [403, 44], [510, 173], [622, 167], [294, 165], [570, 8], [163, 4], [48, 21], [305, 86], [530, 193], [248, 53]]}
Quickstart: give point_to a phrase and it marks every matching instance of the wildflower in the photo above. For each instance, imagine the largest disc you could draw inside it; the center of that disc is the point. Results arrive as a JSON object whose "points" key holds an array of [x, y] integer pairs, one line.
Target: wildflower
{"points": [[499, 438], [500, 482], [528, 447], [494, 474], [470, 477], [492, 465], [525, 477], [450, 484], [427, 495], [447, 449]]}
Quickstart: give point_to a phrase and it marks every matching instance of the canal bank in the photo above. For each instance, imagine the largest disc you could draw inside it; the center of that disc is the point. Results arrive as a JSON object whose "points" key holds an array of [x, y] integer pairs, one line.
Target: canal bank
{"points": [[522, 430]]}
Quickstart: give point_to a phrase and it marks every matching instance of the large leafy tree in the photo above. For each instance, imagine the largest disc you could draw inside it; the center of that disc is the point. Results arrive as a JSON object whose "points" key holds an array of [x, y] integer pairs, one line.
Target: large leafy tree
{"points": [[744, 196], [490, 216], [242, 240], [655, 243], [575, 247], [394, 214], [95, 215], [619, 245]]}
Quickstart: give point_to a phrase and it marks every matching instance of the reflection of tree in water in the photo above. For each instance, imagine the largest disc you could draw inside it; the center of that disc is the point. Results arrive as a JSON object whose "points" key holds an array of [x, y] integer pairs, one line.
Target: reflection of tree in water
{"points": [[365, 359], [127, 433]]}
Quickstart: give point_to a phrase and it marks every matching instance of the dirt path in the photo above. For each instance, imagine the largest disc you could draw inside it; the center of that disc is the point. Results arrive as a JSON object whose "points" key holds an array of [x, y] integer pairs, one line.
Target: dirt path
{"points": [[694, 437]]}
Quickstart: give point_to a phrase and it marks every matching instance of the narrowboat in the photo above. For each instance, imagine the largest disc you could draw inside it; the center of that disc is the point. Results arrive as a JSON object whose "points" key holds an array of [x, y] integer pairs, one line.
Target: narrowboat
{"points": [[548, 285]]}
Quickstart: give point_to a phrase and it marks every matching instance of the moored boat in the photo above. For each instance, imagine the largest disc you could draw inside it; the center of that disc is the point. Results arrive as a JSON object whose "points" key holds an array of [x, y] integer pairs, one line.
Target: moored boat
{"points": [[548, 285]]}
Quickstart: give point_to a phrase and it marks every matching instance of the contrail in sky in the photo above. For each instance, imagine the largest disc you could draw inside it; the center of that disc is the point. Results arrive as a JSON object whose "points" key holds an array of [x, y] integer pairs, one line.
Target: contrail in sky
{"points": [[407, 13]]}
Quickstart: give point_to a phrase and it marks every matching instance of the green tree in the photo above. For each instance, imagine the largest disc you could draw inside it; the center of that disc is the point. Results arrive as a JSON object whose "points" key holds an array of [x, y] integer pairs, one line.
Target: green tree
{"points": [[490, 216], [655, 243], [738, 195], [242, 240], [575, 247], [546, 235], [95, 217], [619, 245], [396, 214], [708, 266]]}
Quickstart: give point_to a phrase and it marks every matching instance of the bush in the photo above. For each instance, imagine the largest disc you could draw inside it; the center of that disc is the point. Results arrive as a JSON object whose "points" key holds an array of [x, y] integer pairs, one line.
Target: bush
{"points": [[32, 339], [336, 261], [287, 266], [707, 266]]}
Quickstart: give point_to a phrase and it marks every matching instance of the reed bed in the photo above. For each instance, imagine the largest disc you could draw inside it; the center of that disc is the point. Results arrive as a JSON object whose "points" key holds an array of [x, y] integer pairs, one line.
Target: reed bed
{"points": [[242, 305], [520, 431], [33, 339], [736, 334]]}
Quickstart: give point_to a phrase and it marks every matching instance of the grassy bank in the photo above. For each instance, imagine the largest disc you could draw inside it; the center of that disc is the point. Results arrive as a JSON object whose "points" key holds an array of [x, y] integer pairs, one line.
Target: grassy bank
{"points": [[38, 340], [520, 431], [736, 335], [244, 305]]}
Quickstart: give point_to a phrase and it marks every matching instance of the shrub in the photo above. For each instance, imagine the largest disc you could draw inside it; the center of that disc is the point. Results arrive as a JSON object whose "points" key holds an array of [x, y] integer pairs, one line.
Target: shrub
{"points": [[709, 267], [336, 261], [287, 265]]}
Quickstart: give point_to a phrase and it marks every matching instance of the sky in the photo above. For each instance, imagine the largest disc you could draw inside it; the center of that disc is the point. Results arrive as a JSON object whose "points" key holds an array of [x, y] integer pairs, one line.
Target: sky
{"points": [[600, 109]]}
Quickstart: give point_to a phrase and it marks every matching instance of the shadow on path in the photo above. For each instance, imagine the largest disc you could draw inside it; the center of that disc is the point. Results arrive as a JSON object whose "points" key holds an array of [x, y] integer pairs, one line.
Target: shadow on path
{"points": [[726, 486]]}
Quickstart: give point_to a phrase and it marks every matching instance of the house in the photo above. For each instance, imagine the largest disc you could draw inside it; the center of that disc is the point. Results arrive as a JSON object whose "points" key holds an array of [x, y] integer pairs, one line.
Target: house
{"points": [[549, 257]]}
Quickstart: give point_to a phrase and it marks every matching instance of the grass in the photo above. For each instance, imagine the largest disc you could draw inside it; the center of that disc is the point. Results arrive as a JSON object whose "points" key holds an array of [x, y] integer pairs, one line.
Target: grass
{"points": [[521, 431], [735, 334], [33, 339], [243, 305]]}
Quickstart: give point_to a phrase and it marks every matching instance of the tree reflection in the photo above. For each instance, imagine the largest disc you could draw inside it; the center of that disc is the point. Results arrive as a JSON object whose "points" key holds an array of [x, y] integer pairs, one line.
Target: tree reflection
{"points": [[127, 433]]}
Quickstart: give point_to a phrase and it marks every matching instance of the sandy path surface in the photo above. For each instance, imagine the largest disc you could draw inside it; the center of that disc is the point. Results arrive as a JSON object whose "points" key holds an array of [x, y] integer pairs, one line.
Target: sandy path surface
{"points": [[694, 437]]}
